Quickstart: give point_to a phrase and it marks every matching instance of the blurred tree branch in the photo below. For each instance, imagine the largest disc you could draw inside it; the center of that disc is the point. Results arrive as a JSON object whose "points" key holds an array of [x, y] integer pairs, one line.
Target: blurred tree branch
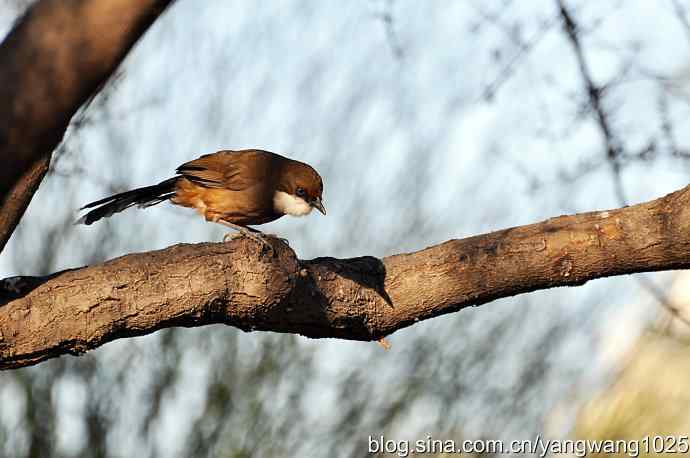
{"points": [[54, 60], [595, 95], [360, 299], [613, 146], [19, 197]]}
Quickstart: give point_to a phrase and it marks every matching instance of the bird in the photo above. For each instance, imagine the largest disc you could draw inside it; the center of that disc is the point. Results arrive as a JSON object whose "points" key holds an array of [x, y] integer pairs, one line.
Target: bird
{"points": [[238, 189]]}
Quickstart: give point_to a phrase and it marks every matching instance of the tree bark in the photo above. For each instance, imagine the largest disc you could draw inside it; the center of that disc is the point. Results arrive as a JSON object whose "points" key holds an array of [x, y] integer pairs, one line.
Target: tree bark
{"points": [[53, 61], [15, 204], [360, 299]]}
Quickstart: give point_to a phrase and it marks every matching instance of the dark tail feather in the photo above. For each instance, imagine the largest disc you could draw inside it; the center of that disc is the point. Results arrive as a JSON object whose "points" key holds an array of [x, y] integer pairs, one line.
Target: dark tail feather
{"points": [[142, 197]]}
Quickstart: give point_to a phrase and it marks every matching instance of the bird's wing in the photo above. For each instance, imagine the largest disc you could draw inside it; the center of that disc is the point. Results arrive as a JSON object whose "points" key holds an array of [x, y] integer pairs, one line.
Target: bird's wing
{"points": [[234, 170]]}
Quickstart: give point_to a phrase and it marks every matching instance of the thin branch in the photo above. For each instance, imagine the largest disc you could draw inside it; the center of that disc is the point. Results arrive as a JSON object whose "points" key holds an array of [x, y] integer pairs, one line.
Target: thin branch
{"points": [[386, 17], [365, 298], [682, 15], [614, 149], [663, 299], [595, 98], [524, 48]]}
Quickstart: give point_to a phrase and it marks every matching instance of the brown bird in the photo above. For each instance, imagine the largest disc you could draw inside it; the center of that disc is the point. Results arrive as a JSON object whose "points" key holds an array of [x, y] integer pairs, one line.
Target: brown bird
{"points": [[235, 188]]}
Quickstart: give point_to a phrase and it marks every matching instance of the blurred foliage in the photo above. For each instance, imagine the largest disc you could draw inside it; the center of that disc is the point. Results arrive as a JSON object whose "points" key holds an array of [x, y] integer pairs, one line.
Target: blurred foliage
{"points": [[649, 397]]}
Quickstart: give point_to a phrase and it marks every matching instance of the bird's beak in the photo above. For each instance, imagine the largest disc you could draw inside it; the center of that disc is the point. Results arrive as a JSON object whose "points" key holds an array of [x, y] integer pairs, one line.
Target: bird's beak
{"points": [[317, 204]]}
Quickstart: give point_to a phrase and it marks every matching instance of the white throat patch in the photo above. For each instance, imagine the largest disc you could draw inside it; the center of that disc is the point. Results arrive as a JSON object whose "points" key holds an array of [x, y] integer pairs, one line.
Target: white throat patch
{"points": [[290, 205]]}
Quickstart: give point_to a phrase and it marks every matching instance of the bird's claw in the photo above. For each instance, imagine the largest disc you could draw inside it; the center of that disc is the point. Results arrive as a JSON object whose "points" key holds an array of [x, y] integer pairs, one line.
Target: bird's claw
{"points": [[256, 236]]}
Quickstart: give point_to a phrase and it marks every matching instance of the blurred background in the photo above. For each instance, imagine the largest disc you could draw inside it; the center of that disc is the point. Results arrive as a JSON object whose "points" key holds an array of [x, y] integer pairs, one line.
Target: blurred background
{"points": [[428, 121]]}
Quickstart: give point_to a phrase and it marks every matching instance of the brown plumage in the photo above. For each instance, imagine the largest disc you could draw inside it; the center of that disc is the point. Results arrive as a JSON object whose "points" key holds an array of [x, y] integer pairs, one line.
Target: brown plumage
{"points": [[235, 188]]}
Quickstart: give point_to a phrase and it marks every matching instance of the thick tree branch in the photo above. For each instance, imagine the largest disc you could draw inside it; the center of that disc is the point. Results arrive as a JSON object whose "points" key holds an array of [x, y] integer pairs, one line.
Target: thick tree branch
{"points": [[52, 62], [361, 299]]}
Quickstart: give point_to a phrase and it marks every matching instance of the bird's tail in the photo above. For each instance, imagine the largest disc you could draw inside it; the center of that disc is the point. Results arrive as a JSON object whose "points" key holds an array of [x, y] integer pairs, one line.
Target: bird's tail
{"points": [[141, 197]]}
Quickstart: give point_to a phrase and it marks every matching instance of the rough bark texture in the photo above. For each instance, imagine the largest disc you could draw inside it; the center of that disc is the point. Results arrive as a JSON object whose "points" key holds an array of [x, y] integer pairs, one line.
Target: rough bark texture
{"points": [[51, 63], [362, 299]]}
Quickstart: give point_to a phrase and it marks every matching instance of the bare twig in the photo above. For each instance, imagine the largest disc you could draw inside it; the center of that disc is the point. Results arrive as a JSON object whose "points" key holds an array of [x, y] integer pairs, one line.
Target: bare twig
{"points": [[595, 98], [386, 17], [682, 15], [614, 149], [524, 48]]}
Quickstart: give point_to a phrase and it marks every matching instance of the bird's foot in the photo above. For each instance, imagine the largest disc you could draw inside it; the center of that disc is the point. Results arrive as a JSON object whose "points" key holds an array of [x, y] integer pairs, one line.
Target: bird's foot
{"points": [[253, 234], [233, 235], [258, 237]]}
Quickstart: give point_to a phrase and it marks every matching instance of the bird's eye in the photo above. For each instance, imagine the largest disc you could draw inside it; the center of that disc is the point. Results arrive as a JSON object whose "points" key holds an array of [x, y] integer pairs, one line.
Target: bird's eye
{"points": [[300, 192]]}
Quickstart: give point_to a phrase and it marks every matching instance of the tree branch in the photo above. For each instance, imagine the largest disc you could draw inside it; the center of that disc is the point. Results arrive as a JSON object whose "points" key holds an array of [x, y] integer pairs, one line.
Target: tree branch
{"points": [[52, 62], [595, 94], [15, 204], [360, 299], [615, 149]]}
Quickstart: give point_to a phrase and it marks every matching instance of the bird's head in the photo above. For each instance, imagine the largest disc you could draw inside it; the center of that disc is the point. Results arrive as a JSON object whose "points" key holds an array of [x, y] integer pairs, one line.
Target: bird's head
{"points": [[299, 190]]}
